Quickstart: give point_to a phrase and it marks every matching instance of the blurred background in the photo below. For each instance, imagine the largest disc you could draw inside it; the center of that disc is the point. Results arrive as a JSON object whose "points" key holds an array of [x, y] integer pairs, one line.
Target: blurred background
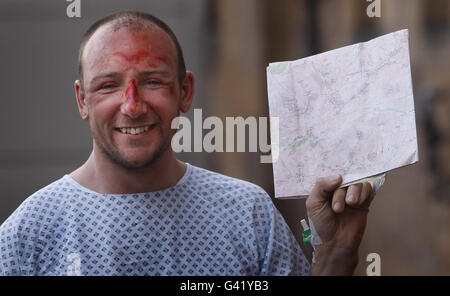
{"points": [[228, 44]]}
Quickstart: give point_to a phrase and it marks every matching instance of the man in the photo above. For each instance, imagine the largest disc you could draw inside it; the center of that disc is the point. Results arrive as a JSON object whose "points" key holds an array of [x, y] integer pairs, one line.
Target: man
{"points": [[133, 209]]}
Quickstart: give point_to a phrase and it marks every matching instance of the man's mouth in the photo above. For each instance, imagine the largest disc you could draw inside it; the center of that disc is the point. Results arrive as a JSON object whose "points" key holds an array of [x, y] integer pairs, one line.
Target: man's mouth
{"points": [[135, 130]]}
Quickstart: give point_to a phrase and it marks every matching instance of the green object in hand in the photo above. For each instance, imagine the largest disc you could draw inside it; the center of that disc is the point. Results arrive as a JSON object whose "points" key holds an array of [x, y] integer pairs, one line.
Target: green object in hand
{"points": [[306, 235]]}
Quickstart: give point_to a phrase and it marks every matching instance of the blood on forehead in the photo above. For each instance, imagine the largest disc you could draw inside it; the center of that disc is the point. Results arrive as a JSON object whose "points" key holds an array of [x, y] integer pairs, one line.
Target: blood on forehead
{"points": [[150, 44], [137, 56]]}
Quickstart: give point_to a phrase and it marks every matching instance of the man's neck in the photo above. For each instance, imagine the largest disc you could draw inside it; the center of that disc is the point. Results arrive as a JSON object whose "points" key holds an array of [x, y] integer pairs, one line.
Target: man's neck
{"points": [[105, 176]]}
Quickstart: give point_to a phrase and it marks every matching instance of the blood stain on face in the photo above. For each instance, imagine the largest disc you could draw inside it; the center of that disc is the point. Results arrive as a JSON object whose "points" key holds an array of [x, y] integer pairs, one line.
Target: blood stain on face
{"points": [[134, 57], [132, 102]]}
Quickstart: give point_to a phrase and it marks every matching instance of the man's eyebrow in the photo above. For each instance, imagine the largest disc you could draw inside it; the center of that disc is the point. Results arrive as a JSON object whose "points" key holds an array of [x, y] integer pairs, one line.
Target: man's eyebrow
{"points": [[150, 72], [105, 75]]}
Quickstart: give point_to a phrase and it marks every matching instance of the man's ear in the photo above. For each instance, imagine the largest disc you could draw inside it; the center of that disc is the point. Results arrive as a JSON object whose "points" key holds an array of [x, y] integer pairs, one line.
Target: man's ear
{"points": [[187, 92], [82, 106]]}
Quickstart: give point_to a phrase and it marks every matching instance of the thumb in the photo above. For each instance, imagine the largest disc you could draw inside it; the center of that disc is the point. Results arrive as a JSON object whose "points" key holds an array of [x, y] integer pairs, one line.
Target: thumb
{"points": [[321, 192]]}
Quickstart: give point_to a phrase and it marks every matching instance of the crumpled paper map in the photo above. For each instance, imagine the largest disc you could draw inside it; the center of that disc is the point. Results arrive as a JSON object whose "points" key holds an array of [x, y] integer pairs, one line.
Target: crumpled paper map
{"points": [[348, 111]]}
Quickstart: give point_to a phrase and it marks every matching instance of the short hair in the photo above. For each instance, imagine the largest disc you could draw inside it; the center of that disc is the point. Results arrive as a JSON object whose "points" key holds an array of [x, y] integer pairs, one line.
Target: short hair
{"points": [[133, 20]]}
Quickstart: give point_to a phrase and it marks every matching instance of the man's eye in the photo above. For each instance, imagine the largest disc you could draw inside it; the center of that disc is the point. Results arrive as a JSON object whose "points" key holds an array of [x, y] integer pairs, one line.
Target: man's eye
{"points": [[153, 82], [107, 86]]}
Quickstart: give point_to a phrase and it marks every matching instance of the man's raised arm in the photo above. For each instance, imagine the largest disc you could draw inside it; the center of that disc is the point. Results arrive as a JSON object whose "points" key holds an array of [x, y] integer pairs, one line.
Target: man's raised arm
{"points": [[339, 216]]}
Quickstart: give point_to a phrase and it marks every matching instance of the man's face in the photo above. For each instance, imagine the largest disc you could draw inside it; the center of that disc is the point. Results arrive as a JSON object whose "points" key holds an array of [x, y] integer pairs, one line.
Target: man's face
{"points": [[131, 93]]}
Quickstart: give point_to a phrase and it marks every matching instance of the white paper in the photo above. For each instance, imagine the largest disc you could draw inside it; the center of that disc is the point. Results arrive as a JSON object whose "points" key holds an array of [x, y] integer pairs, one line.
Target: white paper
{"points": [[348, 111]]}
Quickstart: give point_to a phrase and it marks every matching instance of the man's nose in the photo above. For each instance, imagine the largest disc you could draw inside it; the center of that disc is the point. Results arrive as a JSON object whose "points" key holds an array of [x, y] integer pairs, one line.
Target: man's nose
{"points": [[133, 106]]}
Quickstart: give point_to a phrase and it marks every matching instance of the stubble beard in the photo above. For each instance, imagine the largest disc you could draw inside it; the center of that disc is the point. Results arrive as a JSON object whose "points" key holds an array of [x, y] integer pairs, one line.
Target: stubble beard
{"points": [[115, 156]]}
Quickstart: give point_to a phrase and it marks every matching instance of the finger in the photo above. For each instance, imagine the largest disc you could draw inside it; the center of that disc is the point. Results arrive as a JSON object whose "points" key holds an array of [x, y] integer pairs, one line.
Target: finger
{"points": [[352, 198], [322, 190], [338, 203], [367, 195]]}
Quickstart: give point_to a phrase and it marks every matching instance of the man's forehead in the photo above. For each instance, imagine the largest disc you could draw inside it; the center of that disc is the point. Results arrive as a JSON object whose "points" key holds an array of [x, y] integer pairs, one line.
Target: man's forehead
{"points": [[112, 36]]}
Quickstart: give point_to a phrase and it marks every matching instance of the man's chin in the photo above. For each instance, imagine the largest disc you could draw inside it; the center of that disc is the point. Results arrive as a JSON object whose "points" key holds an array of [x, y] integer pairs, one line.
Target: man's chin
{"points": [[135, 166], [136, 160], [136, 163]]}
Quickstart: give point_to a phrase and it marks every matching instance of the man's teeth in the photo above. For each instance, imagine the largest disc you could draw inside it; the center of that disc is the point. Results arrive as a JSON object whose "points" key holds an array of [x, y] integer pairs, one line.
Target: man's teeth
{"points": [[134, 130]]}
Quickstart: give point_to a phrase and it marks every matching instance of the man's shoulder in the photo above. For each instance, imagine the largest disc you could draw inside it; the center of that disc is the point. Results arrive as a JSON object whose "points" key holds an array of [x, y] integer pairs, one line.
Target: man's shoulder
{"points": [[50, 195], [212, 182], [38, 208]]}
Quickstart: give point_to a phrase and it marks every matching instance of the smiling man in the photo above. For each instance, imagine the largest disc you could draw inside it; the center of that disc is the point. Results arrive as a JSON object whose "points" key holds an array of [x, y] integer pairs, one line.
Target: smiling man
{"points": [[133, 209], [133, 83]]}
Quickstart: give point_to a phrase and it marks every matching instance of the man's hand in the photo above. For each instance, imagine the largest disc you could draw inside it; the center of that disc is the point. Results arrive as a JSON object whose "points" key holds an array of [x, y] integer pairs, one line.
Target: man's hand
{"points": [[339, 217]]}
